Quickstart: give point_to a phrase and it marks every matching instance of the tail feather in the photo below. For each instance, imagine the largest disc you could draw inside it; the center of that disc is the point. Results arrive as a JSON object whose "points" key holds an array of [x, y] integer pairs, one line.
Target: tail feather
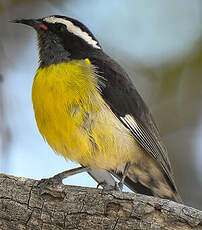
{"points": [[150, 182], [134, 186], [140, 181]]}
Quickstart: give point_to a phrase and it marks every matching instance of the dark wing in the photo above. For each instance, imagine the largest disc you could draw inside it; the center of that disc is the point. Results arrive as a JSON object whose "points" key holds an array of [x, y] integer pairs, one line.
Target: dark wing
{"points": [[121, 95]]}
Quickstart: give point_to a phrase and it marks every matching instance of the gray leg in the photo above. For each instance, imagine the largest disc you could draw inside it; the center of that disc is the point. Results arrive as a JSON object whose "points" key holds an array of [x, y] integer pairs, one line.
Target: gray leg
{"points": [[103, 178], [57, 179], [71, 172], [121, 183]]}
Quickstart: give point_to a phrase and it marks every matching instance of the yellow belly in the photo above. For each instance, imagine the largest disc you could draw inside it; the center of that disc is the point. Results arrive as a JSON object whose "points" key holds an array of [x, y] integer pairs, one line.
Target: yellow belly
{"points": [[74, 119]]}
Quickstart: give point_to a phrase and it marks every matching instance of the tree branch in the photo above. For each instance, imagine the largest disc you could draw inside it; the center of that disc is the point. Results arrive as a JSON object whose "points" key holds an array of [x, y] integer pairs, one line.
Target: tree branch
{"points": [[71, 207]]}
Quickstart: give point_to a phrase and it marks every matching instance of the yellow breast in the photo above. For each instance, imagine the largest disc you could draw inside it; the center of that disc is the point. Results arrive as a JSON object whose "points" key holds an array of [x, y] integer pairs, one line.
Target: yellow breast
{"points": [[74, 119]]}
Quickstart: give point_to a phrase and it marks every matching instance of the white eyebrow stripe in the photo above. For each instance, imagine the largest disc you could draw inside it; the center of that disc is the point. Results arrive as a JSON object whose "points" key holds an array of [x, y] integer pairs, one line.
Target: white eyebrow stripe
{"points": [[74, 29]]}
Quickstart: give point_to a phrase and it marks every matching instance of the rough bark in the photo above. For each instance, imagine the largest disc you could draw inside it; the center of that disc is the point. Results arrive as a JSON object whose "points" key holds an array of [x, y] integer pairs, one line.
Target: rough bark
{"points": [[70, 207]]}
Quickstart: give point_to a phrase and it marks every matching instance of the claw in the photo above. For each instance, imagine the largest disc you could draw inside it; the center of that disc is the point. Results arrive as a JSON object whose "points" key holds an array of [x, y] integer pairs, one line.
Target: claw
{"points": [[120, 185], [57, 179], [53, 181], [107, 188]]}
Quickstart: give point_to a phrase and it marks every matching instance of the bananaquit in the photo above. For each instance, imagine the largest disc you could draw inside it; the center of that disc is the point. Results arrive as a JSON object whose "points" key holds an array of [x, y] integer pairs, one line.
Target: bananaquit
{"points": [[89, 111]]}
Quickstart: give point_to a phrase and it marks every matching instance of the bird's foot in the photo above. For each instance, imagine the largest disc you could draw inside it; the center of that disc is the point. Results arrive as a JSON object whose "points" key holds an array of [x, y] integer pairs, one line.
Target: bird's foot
{"points": [[53, 181], [107, 188], [57, 179], [120, 185]]}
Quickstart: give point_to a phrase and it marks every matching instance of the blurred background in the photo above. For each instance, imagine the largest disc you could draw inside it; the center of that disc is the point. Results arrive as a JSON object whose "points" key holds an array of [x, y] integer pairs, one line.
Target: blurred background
{"points": [[159, 43]]}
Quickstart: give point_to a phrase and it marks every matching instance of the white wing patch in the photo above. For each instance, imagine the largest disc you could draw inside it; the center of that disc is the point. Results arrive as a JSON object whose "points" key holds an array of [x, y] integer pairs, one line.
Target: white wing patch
{"points": [[141, 135], [144, 138], [130, 122], [74, 29]]}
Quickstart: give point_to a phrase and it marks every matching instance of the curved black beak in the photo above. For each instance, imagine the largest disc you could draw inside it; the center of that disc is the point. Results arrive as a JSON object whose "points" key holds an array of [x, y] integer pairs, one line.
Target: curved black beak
{"points": [[35, 23]]}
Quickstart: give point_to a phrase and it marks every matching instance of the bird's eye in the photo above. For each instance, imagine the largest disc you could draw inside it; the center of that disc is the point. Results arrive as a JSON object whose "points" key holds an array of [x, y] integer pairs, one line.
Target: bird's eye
{"points": [[61, 27]]}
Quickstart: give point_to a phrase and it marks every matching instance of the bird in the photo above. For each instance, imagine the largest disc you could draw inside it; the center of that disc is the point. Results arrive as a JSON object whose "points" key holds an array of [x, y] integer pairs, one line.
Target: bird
{"points": [[88, 110]]}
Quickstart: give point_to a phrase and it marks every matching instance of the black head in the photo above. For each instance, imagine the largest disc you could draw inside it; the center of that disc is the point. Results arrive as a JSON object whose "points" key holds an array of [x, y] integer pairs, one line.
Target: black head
{"points": [[62, 39]]}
